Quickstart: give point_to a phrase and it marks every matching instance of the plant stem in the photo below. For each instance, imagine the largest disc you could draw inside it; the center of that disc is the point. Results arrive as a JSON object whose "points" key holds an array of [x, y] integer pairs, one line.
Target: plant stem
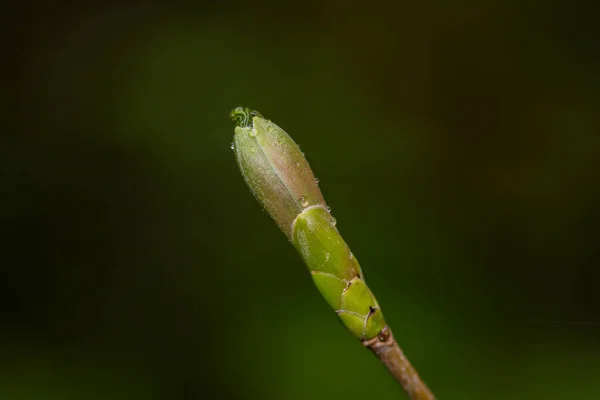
{"points": [[384, 346]]}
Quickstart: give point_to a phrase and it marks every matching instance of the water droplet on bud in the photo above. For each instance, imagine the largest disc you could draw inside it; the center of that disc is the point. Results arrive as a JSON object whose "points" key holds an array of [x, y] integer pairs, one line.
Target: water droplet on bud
{"points": [[317, 181], [351, 256], [333, 221], [297, 163], [328, 209], [270, 128], [252, 149], [303, 201], [232, 146], [327, 255], [252, 132]]}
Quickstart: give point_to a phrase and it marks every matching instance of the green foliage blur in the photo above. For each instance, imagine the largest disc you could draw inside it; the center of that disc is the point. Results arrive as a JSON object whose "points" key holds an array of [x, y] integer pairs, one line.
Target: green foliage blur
{"points": [[457, 143]]}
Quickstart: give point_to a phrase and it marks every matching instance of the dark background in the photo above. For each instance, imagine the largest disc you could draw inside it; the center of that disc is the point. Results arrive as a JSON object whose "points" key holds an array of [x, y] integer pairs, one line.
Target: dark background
{"points": [[456, 141]]}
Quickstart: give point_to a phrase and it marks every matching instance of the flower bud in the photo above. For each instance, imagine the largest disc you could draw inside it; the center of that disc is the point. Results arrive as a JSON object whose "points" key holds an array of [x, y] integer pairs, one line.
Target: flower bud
{"points": [[283, 183], [274, 168]]}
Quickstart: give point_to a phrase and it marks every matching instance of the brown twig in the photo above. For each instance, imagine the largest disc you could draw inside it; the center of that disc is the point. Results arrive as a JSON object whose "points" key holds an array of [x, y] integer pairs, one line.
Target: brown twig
{"points": [[384, 346]]}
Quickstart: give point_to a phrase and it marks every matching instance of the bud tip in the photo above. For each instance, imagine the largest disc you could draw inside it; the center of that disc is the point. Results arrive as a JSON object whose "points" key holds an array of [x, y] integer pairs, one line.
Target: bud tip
{"points": [[242, 116]]}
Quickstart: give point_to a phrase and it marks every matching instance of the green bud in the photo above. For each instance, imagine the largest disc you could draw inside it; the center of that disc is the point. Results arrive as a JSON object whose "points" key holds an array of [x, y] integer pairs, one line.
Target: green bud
{"points": [[274, 168], [321, 246], [281, 180], [336, 272]]}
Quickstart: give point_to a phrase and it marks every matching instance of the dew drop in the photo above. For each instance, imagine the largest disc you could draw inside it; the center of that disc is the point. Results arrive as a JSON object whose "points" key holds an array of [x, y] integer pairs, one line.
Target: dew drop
{"points": [[232, 146], [238, 129], [351, 256], [297, 163], [252, 149], [270, 128], [317, 181], [327, 255], [328, 209], [252, 132], [333, 221], [303, 201]]}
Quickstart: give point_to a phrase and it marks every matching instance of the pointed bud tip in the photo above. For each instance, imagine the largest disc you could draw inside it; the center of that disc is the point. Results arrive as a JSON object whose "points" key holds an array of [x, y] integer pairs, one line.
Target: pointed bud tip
{"points": [[242, 116]]}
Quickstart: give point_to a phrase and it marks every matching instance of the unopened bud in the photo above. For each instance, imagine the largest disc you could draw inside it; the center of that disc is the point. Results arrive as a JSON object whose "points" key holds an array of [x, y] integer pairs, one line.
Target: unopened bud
{"points": [[274, 168]]}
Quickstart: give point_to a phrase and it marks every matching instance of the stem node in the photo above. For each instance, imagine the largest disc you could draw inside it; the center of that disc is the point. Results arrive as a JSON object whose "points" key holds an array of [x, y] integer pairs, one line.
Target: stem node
{"points": [[384, 346]]}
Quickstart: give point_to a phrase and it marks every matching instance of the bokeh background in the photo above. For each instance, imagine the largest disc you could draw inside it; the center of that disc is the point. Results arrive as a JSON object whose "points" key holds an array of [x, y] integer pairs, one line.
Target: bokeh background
{"points": [[457, 143]]}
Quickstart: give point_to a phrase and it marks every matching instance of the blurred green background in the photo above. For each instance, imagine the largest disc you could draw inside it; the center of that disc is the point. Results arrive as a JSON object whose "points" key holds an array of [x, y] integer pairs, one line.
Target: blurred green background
{"points": [[457, 143]]}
